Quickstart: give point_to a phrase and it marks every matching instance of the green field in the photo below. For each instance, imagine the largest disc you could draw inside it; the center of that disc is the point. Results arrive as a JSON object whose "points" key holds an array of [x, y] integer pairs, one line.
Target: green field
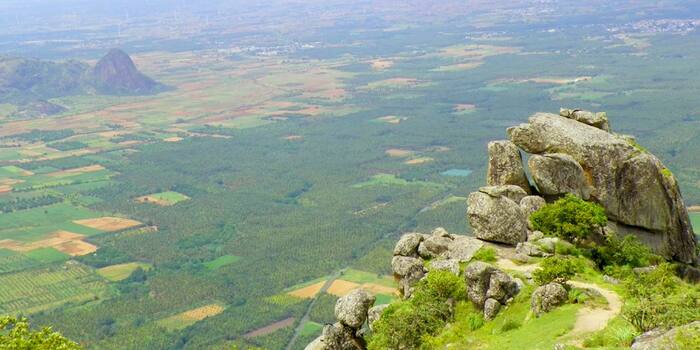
{"points": [[695, 221], [34, 224], [120, 272], [169, 197], [47, 255], [311, 329], [221, 261], [361, 277]]}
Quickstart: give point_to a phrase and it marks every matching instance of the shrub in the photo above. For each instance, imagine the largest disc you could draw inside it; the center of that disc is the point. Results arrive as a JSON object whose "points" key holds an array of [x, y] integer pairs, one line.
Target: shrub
{"points": [[628, 251], [475, 320], [485, 254], [509, 325], [16, 334], [555, 269], [404, 323], [570, 217]]}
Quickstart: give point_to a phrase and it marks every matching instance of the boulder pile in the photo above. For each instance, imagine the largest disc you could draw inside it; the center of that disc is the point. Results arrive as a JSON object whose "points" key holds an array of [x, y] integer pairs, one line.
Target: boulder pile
{"points": [[351, 312]]}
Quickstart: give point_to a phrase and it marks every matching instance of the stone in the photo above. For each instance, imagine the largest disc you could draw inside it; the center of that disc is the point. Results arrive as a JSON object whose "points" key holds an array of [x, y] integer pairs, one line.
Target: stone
{"points": [[337, 337], [598, 120], [557, 174], [531, 204], [436, 244], [375, 313], [631, 184], [441, 232], [548, 244], [317, 344], [485, 281], [409, 271], [529, 249], [491, 308], [610, 279], [424, 253], [547, 297], [535, 235], [515, 193], [497, 219], [463, 248], [451, 265], [408, 244], [351, 309], [501, 287], [667, 340], [506, 166], [521, 258]]}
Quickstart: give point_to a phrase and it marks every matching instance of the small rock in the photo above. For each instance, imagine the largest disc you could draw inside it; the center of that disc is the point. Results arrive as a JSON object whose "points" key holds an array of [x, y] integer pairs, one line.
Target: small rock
{"points": [[451, 265], [424, 253], [463, 248], [375, 313], [501, 286], [441, 232], [521, 258], [548, 244], [667, 340], [351, 309], [437, 244], [535, 235], [338, 337], [598, 120], [610, 279], [409, 270], [408, 244], [529, 249], [491, 308], [485, 281], [547, 297]]}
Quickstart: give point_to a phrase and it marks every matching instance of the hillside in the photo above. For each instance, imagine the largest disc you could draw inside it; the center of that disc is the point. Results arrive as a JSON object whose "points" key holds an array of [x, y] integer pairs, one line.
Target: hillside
{"points": [[30, 83], [592, 250]]}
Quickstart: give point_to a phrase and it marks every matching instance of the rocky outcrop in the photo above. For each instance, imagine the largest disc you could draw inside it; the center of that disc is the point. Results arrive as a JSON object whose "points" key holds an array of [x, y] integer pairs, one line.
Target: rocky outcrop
{"points": [[486, 282], [374, 314], [506, 166], [116, 74], [546, 298], [444, 250], [669, 340], [575, 153], [495, 217], [351, 311]]}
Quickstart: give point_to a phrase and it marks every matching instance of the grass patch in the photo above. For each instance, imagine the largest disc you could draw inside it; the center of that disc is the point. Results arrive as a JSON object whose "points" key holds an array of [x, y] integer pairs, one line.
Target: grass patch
{"points": [[362, 277], [392, 180], [33, 224], [221, 261], [47, 255], [311, 329], [486, 254], [120, 272]]}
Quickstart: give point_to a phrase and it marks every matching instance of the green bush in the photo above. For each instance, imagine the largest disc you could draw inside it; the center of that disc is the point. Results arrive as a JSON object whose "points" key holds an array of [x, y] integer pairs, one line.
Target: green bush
{"points": [[555, 269], [659, 298], [628, 251], [15, 334], [485, 254], [570, 217], [404, 323]]}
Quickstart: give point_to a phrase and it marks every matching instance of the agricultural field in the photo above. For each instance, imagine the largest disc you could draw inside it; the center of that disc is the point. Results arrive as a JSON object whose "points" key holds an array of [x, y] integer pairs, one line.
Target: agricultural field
{"points": [[270, 171]]}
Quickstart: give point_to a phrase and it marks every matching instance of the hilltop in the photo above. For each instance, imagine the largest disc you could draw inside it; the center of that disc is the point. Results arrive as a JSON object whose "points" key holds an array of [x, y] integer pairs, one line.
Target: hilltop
{"points": [[590, 248], [30, 84]]}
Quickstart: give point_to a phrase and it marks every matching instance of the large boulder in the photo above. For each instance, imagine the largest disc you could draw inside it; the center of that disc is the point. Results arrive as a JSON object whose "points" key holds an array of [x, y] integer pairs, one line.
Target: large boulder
{"points": [[485, 282], [547, 297], [337, 337], [408, 270], [632, 185], [408, 244], [669, 340], [557, 174], [496, 219], [506, 165], [463, 248], [351, 309]]}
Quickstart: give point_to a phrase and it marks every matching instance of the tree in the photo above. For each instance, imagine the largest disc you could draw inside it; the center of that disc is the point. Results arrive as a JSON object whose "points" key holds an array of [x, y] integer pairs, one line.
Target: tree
{"points": [[15, 334], [570, 217]]}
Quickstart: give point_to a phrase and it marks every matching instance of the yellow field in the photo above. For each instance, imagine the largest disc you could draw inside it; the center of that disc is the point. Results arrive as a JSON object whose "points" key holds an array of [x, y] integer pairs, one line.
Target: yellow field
{"points": [[417, 161], [398, 153], [340, 288], [108, 223], [308, 291], [189, 317], [120, 271]]}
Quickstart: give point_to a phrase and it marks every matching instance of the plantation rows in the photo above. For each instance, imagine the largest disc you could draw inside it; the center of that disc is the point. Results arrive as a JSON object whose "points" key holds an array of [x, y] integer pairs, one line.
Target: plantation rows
{"points": [[15, 262]]}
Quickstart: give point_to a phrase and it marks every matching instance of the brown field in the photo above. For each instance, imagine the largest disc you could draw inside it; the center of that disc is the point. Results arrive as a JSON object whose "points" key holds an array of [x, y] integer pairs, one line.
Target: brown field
{"points": [[308, 291], [77, 171], [381, 64], [694, 208], [10, 182], [341, 287], [64, 241], [108, 223], [153, 200], [417, 161], [173, 139], [271, 328], [398, 153], [379, 289], [203, 312], [5, 189]]}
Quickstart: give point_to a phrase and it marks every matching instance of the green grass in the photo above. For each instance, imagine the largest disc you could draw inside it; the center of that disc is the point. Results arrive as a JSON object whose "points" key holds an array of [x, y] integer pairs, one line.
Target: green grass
{"points": [[12, 261], [47, 255], [392, 180], [33, 224], [221, 261], [11, 170], [695, 221], [384, 299], [361, 277], [120, 272], [310, 329]]}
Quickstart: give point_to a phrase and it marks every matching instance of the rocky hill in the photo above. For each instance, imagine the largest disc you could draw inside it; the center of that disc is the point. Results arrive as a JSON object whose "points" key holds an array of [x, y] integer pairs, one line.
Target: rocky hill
{"points": [[586, 251], [30, 83]]}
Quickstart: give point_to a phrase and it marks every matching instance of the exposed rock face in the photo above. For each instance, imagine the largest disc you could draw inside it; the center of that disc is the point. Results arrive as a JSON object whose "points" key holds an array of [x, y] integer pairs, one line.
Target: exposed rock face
{"points": [[451, 265], [667, 340], [116, 74], [548, 297], [557, 174], [506, 166], [497, 219], [514, 193], [463, 248], [487, 282], [632, 185], [351, 310]]}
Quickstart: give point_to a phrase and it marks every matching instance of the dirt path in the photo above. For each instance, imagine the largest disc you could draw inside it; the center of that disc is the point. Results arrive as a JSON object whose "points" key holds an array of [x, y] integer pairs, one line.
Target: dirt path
{"points": [[508, 264], [591, 320]]}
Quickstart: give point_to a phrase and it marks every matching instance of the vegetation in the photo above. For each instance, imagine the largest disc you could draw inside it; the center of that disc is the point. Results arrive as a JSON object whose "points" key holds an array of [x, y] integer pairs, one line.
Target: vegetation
{"points": [[625, 252], [486, 254], [570, 218], [556, 269], [15, 334]]}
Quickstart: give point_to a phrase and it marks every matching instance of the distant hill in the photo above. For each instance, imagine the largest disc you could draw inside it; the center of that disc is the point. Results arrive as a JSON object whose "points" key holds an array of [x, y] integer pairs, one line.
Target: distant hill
{"points": [[29, 83], [116, 74]]}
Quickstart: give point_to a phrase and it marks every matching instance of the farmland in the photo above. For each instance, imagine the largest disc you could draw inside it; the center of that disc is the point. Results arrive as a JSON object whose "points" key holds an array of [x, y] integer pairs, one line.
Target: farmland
{"points": [[195, 217]]}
